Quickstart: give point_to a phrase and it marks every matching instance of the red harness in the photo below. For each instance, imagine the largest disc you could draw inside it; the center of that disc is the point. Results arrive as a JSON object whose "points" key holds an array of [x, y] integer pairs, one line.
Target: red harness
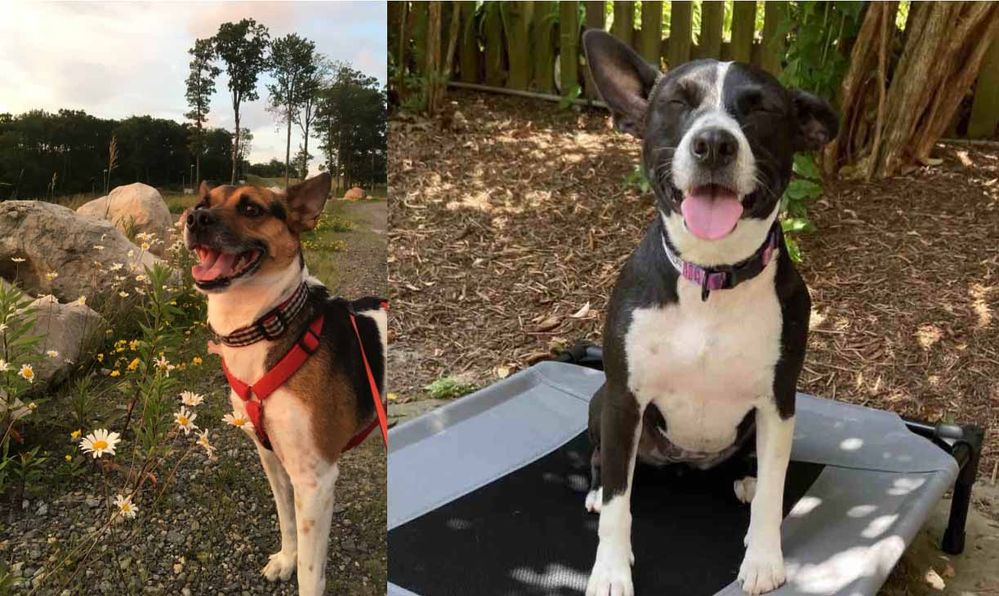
{"points": [[286, 367]]}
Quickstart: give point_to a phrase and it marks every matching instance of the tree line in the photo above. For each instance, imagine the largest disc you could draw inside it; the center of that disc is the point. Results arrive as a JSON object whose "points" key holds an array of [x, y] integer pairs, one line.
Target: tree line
{"points": [[342, 107], [338, 107]]}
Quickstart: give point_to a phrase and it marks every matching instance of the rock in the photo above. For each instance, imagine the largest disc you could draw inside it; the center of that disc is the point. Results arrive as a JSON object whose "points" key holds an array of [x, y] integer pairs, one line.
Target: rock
{"points": [[354, 194], [67, 332], [134, 209], [58, 251], [174, 537], [43, 509]]}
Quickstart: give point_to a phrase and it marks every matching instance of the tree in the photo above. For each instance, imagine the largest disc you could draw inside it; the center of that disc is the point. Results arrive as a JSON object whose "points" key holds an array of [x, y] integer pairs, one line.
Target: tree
{"points": [[351, 124], [242, 47], [895, 110], [200, 87], [292, 63], [312, 87]]}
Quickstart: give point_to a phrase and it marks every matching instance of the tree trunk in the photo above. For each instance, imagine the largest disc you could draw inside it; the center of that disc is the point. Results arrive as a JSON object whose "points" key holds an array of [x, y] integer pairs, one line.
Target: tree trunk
{"points": [[235, 145], [889, 127], [287, 151], [432, 70]]}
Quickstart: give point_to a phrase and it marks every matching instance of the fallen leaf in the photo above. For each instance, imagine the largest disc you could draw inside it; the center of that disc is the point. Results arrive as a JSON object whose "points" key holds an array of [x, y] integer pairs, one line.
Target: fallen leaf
{"points": [[582, 312]]}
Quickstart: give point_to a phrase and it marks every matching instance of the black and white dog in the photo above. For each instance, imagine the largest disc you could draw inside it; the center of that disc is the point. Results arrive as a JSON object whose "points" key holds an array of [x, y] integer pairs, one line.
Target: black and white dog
{"points": [[708, 320]]}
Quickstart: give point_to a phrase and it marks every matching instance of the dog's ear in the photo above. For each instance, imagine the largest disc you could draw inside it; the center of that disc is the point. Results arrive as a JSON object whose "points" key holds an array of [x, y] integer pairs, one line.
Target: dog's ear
{"points": [[204, 189], [623, 79], [306, 200], [816, 120]]}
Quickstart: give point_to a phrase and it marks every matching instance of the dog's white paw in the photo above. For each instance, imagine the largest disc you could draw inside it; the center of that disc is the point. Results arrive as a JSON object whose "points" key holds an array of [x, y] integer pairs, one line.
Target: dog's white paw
{"points": [[745, 489], [762, 570], [280, 566], [594, 499], [611, 576]]}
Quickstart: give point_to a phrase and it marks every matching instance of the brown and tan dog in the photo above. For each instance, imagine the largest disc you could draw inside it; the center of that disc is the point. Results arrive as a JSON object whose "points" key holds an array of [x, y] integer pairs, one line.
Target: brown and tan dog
{"points": [[261, 306]]}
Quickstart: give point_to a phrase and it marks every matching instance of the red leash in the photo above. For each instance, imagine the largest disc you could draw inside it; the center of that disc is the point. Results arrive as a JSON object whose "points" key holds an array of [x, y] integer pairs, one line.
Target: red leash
{"points": [[289, 364]]}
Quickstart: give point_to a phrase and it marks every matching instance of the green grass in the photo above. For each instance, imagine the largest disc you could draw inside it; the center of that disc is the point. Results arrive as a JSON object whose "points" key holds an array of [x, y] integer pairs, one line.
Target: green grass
{"points": [[449, 388]]}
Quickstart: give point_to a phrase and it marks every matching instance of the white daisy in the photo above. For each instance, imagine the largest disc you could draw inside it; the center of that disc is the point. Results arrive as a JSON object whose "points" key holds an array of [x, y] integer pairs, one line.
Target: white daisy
{"points": [[116, 266], [52, 353], [82, 300], [98, 247], [185, 419], [237, 420], [27, 373], [203, 441], [4, 365], [100, 442], [18, 259], [123, 294], [125, 506], [190, 398]]}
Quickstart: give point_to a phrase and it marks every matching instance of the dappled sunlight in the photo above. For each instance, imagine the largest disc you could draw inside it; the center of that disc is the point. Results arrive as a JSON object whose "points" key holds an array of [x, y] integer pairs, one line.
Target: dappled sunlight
{"points": [[904, 486], [804, 506], [851, 444], [927, 335], [861, 510], [554, 576], [980, 305], [843, 568], [879, 525]]}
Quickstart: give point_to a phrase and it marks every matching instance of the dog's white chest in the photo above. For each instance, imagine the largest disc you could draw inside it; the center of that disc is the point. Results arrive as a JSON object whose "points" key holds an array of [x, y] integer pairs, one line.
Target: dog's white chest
{"points": [[705, 364]]}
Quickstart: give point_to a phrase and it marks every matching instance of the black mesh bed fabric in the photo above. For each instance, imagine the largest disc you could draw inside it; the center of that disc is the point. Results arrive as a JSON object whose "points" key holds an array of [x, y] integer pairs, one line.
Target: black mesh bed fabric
{"points": [[528, 532]]}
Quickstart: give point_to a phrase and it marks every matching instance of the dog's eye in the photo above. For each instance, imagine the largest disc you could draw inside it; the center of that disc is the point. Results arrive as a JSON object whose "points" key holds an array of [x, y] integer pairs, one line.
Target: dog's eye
{"points": [[679, 102], [251, 210]]}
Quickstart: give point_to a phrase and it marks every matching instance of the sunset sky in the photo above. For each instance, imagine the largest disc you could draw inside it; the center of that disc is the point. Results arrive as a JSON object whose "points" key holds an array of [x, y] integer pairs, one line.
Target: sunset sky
{"points": [[115, 60]]}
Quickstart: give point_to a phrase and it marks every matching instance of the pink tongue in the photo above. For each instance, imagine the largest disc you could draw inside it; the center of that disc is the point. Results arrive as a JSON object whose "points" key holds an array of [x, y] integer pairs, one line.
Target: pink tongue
{"points": [[711, 212], [214, 268]]}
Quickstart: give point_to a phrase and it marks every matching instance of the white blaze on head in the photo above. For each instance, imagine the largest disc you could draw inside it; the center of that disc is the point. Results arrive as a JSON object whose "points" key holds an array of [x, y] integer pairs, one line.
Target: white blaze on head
{"points": [[714, 115]]}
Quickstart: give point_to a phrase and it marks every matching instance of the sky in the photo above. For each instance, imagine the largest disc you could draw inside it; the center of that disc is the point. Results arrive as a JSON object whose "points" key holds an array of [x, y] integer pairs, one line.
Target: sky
{"points": [[118, 59]]}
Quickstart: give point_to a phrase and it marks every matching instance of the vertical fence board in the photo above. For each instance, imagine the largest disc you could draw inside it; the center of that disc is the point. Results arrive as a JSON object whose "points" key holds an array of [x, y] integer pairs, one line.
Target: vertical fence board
{"points": [[595, 19], [651, 35], [468, 48], [543, 46], [985, 109], [743, 23], [623, 26], [568, 31], [492, 30], [680, 27], [712, 22], [517, 30], [774, 19], [418, 15]]}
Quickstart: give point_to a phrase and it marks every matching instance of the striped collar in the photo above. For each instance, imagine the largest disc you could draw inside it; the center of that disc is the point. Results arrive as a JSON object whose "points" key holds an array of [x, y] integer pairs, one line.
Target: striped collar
{"points": [[272, 325], [724, 277]]}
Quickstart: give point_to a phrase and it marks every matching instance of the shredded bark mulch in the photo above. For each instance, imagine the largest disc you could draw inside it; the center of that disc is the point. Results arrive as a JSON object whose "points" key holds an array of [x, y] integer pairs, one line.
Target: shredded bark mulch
{"points": [[510, 219]]}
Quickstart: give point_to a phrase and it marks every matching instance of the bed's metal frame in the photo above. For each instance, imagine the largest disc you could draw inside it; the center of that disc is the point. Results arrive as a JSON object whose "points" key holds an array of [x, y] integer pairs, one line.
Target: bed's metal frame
{"points": [[962, 441]]}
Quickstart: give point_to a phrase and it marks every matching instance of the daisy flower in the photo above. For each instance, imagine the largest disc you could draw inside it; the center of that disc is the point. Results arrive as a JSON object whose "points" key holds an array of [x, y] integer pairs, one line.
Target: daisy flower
{"points": [[4, 365], [18, 259], [100, 442], [203, 441], [190, 398], [164, 365], [123, 294], [125, 506], [51, 275], [116, 266], [140, 278], [237, 420], [27, 373], [52, 354], [185, 419], [82, 300]]}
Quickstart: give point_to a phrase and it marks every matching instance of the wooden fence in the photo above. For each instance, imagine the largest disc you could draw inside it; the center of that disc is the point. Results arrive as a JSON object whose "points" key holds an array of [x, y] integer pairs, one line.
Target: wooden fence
{"points": [[535, 46]]}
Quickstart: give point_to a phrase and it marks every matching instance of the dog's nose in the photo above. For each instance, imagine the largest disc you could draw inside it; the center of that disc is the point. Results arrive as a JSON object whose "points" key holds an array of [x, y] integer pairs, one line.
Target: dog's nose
{"points": [[200, 218], [714, 147]]}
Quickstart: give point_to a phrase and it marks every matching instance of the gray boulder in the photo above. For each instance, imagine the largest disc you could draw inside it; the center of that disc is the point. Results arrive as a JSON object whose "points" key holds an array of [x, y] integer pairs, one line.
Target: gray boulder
{"points": [[134, 209]]}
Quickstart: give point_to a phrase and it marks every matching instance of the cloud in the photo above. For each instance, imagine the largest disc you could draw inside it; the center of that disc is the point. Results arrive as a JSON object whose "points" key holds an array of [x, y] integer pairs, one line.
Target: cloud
{"points": [[116, 60]]}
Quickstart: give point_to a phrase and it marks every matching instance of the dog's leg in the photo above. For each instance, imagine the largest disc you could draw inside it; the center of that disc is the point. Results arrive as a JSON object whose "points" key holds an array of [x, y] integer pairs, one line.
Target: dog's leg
{"points": [[620, 431], [314, 512], [281, 563], [594, 498], [762, 568]]}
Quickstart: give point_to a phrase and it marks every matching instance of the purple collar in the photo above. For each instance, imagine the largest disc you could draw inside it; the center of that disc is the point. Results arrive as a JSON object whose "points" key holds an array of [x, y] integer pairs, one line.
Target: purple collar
{"points": [[725, 277]]}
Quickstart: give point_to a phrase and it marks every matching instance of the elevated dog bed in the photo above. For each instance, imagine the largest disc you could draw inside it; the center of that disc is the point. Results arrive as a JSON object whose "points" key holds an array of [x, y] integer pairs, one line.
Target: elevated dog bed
{"points": [[486, 497]]}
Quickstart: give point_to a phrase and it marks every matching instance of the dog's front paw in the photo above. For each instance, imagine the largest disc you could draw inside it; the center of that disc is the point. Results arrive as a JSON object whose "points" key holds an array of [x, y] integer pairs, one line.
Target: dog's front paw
{"points": [[611, 575], [280, 566], [594, 499], [762, 570]]}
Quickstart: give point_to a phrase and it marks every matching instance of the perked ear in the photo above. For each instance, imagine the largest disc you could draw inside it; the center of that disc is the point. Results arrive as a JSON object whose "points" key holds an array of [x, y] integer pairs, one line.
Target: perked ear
{"points": [[623, 79], [817, 122], [204, 189], [306, 200]]}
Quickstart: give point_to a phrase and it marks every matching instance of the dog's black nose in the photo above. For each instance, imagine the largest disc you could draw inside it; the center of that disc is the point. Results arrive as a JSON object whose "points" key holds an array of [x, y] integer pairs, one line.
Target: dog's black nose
{"points": [[200, 218], [714, 147]]}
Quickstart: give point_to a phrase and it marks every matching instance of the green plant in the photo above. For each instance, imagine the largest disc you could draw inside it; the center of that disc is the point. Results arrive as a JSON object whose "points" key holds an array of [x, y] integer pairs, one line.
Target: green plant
{"points": [[803, 189], [449, 388], [638, 180], [17, 374]]}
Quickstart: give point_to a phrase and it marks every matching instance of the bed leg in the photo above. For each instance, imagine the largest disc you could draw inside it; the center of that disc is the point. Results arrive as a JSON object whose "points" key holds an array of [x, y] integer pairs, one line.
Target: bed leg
{"points": [[967, 450]]}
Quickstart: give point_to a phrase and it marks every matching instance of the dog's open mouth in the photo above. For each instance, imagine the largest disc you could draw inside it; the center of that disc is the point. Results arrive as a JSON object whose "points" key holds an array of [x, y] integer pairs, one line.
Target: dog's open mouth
{"points": [[217, 268], [711, 211]]}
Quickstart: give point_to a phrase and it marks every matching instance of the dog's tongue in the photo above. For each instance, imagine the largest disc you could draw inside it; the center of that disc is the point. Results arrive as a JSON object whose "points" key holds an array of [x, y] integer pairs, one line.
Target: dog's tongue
{"points": [[212, 265], [711, 212]]}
